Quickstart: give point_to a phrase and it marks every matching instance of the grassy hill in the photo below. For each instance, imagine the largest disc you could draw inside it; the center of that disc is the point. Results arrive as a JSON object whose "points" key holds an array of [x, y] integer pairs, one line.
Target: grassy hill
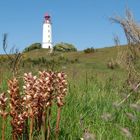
{"points": [[94, 91], [95, 60], [75, 64], [81, 62]]}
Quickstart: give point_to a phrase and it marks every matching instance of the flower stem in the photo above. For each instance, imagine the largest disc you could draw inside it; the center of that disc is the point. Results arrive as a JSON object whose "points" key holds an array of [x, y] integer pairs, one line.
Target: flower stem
{"points": [[58, 122], [44, 119], [49, 119], [31, 129], [3, 128]]}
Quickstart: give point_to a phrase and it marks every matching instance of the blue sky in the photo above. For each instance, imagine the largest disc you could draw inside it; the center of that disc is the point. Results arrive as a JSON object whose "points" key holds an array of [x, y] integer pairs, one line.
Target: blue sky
{"points": [[83, 23]]}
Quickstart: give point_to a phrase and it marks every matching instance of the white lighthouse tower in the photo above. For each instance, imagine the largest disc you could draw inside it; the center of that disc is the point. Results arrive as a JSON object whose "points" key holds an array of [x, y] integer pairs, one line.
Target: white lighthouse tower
{"points": [[47, 32]]}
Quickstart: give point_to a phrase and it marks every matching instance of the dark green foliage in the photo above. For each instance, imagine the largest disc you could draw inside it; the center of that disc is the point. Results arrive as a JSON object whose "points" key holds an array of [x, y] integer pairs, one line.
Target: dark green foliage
{"points": [[89, 50], [49, 63], [64, 47], [32, 47]]}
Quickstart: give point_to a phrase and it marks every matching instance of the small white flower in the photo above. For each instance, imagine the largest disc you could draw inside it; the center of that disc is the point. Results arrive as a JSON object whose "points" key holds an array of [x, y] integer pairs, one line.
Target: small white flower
{"points": [[59, 75], [47, 78]]}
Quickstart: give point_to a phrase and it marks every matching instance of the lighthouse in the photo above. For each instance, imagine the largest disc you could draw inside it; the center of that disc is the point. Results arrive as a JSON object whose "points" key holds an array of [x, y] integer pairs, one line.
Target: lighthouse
{"points": [[47, 32]]}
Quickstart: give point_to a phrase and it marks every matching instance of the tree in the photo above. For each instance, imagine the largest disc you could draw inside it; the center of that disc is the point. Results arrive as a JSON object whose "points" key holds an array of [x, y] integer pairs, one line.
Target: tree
{"points": [[89, 50], [64, 47], [33, 46]]}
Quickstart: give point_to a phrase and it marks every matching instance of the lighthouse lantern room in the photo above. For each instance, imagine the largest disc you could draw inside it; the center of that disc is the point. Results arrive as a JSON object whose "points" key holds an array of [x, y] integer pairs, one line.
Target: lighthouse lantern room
{"points": [[47, 32]]}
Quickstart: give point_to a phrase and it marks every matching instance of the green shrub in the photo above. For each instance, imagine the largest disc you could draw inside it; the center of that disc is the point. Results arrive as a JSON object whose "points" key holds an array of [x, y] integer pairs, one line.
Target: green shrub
{"points": [[32, 47], [64, 47], [89, 50]]}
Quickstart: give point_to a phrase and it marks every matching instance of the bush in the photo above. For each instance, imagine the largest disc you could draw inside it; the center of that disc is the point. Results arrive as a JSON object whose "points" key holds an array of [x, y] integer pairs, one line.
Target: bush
{"points": [[89, 50], [64, 47], [32, 47]]}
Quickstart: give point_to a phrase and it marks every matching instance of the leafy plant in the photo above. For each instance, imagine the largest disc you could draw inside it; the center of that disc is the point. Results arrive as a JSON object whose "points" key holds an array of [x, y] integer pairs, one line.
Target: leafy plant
{"points": [[32, 47], [89, 50], [34, 105], [64, 47]]}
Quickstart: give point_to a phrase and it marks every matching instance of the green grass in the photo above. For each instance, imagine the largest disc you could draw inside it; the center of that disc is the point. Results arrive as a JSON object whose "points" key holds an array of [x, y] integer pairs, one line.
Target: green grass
{"points": [[93, 90]]}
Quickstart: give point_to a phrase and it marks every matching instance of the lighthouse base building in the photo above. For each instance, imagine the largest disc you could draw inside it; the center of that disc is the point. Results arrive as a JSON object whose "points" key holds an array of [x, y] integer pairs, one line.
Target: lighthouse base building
{"points": [[47, 33]]}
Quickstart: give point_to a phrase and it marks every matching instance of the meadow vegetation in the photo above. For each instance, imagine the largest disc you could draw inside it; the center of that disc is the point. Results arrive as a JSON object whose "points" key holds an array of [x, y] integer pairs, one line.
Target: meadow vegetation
{"points": [[102, 101], [94, 92]]}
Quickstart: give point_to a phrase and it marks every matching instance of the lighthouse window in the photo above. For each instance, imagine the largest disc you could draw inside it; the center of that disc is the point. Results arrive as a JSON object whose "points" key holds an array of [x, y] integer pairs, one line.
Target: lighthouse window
{"points": [[49, 36], [48, 31]]}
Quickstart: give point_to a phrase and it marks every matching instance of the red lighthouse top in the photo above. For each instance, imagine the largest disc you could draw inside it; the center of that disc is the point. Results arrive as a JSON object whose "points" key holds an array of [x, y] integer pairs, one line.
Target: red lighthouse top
{"points": [[47, 17]]}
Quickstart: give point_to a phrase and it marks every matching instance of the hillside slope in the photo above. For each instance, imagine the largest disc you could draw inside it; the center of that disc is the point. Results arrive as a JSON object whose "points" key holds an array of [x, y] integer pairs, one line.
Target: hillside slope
{"points": [[80, 62], [73, 63]]}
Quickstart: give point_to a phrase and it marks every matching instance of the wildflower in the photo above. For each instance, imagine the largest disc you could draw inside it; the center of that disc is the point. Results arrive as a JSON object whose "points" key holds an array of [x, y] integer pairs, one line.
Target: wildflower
{"points": [[3, 105], [3, 112], [61, 89], [16, 108]]}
